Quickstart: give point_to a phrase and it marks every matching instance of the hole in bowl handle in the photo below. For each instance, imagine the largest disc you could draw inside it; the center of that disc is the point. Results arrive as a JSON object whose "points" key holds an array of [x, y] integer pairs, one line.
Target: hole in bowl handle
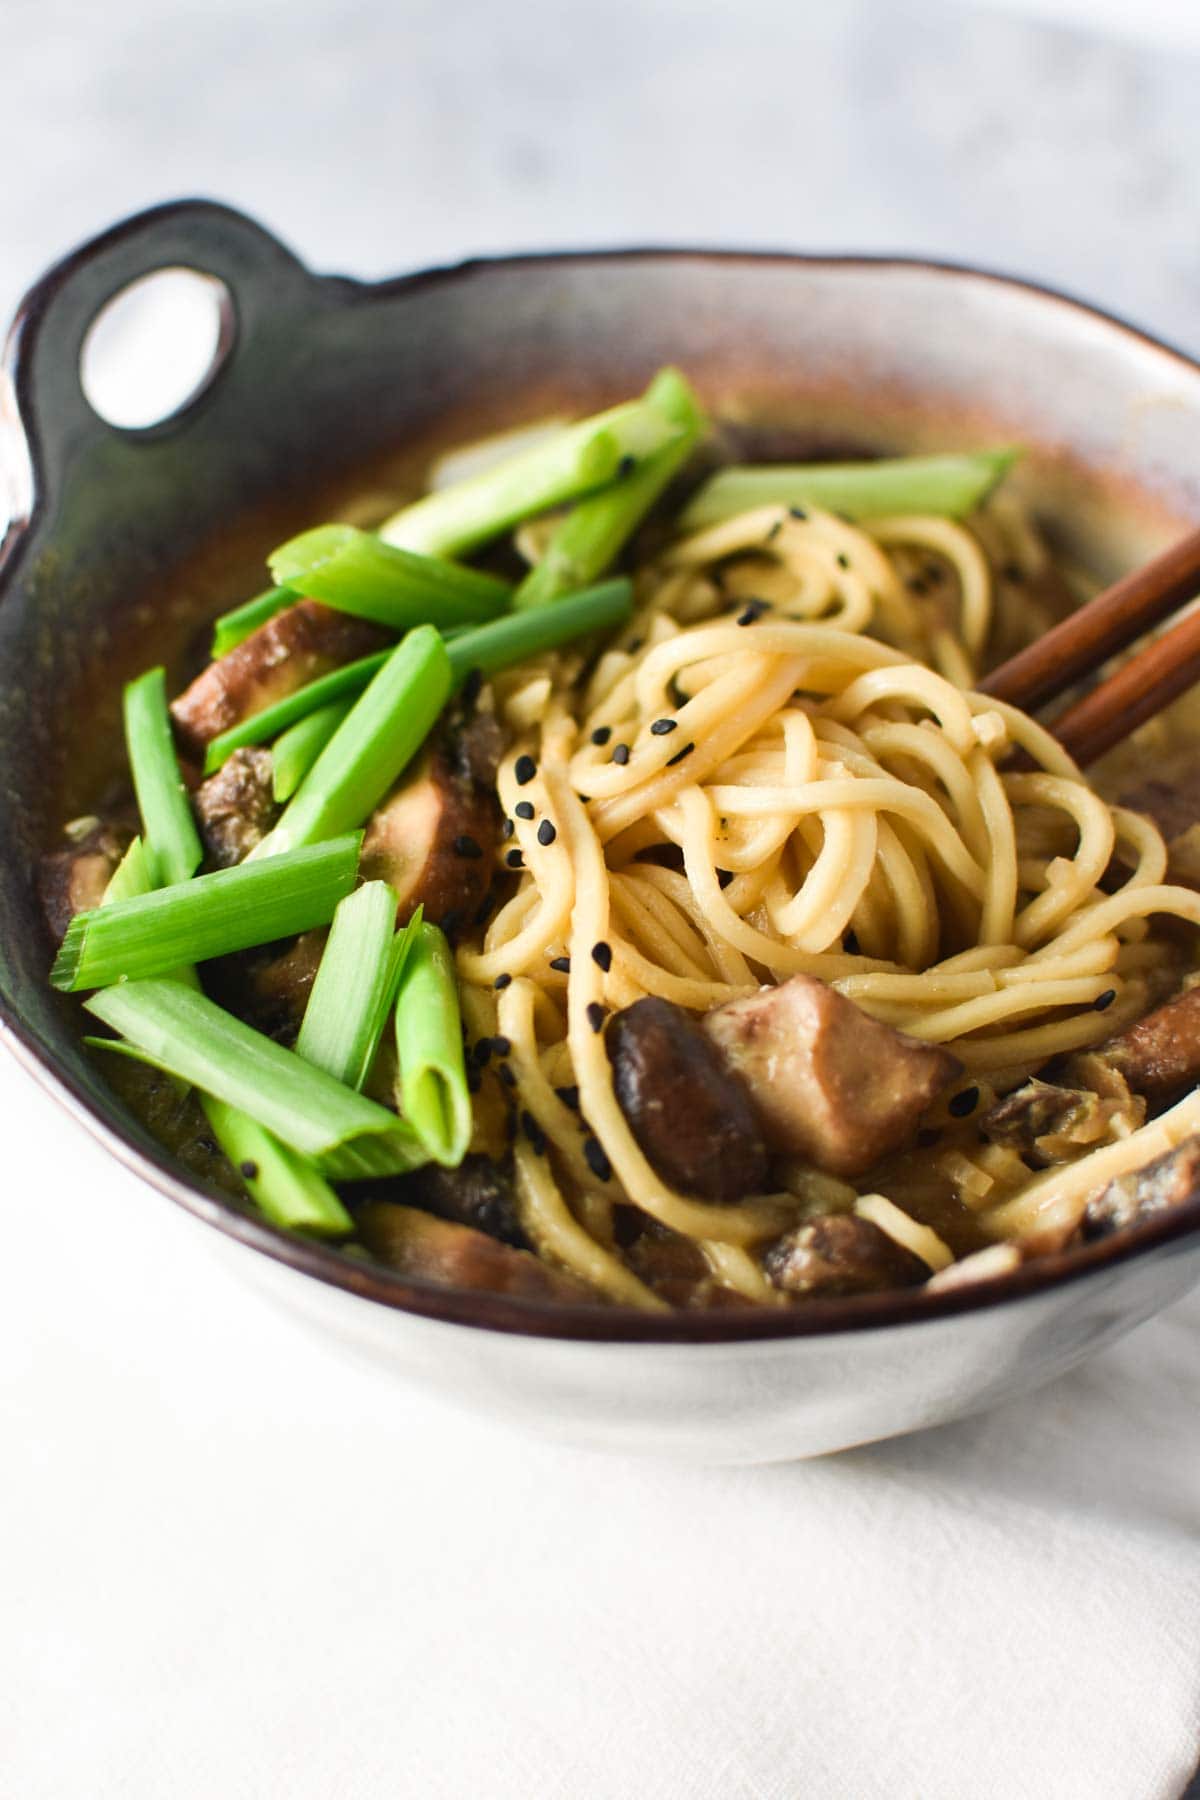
{"points": [[45, 400]]}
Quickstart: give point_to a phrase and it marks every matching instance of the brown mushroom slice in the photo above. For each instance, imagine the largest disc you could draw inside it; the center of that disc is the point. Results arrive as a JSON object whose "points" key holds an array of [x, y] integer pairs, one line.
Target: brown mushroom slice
{"points": [[236, 807], [1049, 1123], [299, 644], [828, 1083], [1160, 1055], [478, 1193], [691, 1116], [428, 1249], [73, 880], [274, 993], [1158, 1186], [434, 840], [841, 1254]]}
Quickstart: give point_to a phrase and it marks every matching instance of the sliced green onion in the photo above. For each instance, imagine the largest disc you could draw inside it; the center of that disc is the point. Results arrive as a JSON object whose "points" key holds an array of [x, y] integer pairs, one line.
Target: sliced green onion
{"points": [[187, 1035], [296, 750], [131, 876], [953, 485], [348, 1006], [286, 1189], [374, 742], [358, 573], [262, 726], [214, 915], [590, 536], [578, 460], [169, 836], [529, 633], [433, 1093], [233, 628]]}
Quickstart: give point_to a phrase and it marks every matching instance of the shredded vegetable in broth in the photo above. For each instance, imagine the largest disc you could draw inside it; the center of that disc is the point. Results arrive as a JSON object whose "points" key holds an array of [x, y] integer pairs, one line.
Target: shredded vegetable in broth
{"points": [[725, 946]]}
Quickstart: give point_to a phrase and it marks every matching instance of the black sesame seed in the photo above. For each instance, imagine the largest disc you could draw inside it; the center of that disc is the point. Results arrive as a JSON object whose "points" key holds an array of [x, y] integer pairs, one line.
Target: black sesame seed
{"points": [[507, 1074], [452, 918], [569, 1097], [679, 755], [524, 769], [602, 955], [774, 532], [561, 964], [843, 561], [208, 1145], [533, 1132], [471, 686], [524, 809], [502, 1045], [627, 465], [249, 1170], [724, 877], [634, 645], [1103, 1001], [507, 829], [465, 845], [798, 512], [621, 754], [597, 1161], [481, 1055], [602, 734], [661, 727], [595, 1015], [964, 1103], [546, 833], [514, 859], [753, 611], [484, 908], [502, 981]]}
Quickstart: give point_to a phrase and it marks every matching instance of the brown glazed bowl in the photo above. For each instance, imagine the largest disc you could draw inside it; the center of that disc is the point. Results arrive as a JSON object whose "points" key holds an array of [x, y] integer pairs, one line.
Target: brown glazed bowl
{"points": [[131, 539]]}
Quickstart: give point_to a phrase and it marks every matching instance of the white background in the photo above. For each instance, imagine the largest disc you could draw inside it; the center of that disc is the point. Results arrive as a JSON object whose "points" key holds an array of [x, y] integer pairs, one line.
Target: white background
{"points": [[231, 1566]]}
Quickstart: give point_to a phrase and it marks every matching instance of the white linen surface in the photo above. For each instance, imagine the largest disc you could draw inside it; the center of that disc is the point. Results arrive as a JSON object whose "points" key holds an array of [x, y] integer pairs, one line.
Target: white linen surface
{"points": [[234, 1565]]}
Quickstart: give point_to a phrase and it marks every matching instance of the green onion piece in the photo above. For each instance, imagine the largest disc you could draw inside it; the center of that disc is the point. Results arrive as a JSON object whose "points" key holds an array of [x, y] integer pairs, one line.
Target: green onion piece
{"points": [[286, 1189], [262, 726], [951, 485], [187, 1035], [433, 1076], [374, 742], [358, 573], [214, 915], [169, 836], [576, 461], [131, 876], [296, 750], [233, 628], [348, 1006], [529, 633], [592, 533]]}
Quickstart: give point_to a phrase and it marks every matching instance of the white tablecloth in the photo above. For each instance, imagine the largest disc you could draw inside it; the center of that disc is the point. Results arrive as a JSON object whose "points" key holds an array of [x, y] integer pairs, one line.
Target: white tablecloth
{"points": [[232, 1566]]}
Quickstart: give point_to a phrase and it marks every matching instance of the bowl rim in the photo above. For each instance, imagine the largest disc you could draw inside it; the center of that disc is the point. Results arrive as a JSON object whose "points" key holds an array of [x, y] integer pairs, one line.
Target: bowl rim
{"points": [[591, 1322]]}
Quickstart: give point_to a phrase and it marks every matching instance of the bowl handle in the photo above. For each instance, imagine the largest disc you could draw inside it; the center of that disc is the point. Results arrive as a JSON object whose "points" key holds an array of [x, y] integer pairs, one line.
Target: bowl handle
{"points": [[45, 399]]}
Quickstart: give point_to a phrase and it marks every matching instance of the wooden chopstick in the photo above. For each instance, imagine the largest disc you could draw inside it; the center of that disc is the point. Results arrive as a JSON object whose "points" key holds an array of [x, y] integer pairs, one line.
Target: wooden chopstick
{"points": [[1087, 638], [1158, 674]]}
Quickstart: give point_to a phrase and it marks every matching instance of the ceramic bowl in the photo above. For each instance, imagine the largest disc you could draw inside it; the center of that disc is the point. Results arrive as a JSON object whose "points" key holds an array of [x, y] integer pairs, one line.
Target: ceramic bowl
{"points": [[128, 540]]}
